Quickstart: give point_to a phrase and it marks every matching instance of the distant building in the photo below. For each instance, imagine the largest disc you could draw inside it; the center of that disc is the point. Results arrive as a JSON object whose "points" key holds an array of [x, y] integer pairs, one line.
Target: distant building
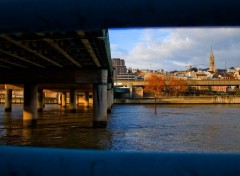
{"points": [[219, 88], [231, 70], [122, 73], [212, 62], [237, 73], [201, 76], [129, 76], [119, 67]]}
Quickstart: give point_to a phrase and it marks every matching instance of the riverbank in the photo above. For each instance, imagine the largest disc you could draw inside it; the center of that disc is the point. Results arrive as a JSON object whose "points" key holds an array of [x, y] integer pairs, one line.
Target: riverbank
{"points": [[224, 99]]}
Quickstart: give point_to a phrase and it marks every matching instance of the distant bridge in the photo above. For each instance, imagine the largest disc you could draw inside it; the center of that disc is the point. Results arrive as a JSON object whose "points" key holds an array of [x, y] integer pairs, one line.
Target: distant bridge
{"points": [[219, 82]]}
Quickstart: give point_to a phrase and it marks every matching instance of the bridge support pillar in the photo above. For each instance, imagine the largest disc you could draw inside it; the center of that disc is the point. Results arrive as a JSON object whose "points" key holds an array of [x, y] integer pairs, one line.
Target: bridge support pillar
{"points": [[100, 105], [86, 99], [137, 92], [112, 97], [59, 98], [8, 100], [131, 91], [40, 103], [109, 97], [73, 103], [64, 99], [100, 101], [30, 105]]}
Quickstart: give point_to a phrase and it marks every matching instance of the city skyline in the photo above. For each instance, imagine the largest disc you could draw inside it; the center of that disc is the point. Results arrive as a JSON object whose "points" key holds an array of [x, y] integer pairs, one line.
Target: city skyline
{"points": [[176, 48]]}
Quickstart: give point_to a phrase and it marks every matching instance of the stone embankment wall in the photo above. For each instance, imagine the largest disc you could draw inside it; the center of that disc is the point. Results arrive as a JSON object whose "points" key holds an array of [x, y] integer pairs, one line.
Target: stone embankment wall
{"points": [[189, 99]]}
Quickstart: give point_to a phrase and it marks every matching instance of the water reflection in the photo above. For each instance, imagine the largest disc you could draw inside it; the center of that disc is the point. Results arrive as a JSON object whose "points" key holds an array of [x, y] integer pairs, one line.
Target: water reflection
{"points": [[184, 128]]}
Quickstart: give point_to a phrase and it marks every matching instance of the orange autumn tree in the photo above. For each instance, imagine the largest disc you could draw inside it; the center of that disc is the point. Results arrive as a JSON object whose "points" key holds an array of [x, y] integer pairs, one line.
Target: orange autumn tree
{"points": [[155, 85], [177, 86]]}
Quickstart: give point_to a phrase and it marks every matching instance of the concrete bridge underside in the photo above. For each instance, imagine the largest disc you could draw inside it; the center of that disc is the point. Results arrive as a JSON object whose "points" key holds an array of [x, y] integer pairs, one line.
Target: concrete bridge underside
{"points": [[62, 61]]}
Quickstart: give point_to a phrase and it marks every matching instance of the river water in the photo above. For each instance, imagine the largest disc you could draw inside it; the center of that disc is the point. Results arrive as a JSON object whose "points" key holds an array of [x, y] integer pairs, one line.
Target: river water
{"points": [[175, 128]]}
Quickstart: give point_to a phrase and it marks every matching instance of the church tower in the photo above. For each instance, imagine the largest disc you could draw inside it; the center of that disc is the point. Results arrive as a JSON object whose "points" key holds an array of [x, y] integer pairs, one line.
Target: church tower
{"points": [[212, 62]]}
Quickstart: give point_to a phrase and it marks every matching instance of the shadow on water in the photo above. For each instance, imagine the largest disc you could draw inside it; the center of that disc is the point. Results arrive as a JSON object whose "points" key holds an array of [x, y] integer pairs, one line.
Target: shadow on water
{"points": [[178, 128], [57, 127]]}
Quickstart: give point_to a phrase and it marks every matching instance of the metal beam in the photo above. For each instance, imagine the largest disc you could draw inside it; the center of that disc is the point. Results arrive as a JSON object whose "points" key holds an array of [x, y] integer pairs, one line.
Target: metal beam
{"points": [[61, 51], [5, 67], [21, 58], [89, 48], [9, 39], [12, 63], [91, 52]]}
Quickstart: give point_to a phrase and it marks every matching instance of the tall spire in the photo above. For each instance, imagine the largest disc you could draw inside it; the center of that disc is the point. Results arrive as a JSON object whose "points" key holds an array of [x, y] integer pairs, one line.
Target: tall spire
{"points": [[211, 54], [212, 61]]}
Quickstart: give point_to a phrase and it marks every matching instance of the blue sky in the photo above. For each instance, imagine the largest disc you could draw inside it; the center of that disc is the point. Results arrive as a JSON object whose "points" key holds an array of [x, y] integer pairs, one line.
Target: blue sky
{"points": [[176, 48]]}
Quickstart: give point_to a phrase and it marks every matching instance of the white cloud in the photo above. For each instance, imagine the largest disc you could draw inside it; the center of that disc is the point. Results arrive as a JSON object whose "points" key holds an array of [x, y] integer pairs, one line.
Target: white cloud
{"points": [[175, 48]]}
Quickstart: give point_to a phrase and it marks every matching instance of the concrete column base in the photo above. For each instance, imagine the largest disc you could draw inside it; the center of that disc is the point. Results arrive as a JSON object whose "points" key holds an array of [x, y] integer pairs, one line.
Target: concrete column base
{"points": [[73, 104], [100, 100], [30, 105], [8, 100], [109, 91], [112, 98], [86, 99], [40, 100], [131, 91], [100, 105], [64, 100], [59, 98]]}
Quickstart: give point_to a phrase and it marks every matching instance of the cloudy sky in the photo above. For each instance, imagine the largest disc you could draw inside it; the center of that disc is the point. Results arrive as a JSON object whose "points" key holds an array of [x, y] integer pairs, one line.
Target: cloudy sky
{"points": [[176, 48]]}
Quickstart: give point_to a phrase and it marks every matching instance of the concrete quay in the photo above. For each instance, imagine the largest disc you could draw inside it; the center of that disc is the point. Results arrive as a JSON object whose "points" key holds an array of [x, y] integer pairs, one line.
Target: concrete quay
{"points": [[224, 99]]}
